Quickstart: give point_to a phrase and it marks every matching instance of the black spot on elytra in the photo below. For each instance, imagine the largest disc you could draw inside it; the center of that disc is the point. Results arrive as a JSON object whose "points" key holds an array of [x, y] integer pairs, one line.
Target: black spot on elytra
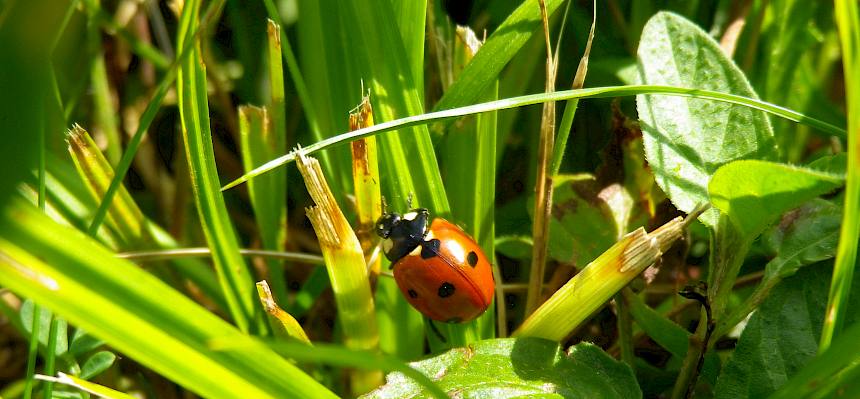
{"points": [[430, 248], [412, 293], [446, 290], [472, 258], [454, 320]]}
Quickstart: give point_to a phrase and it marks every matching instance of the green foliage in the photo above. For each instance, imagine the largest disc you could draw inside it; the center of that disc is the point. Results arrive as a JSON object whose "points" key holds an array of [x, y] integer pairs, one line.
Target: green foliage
{"points": [[582, 225], [781, 337], [687, 140], [233, 274], [754, 193], [520, 367], [159, 94], [134, 312]]}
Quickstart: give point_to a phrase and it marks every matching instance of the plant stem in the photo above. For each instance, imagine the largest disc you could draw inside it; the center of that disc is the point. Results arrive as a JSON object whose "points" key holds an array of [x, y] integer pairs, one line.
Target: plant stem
{"points": [[543, 181]]}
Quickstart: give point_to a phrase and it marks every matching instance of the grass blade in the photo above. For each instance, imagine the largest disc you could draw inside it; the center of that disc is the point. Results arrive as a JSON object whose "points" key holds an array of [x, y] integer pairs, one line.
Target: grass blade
{"points": [[84, 385], [571, 105], [500, 47], [346, 267], [123, 215], [848, 22], [135, 313], [268, 195], [145, 120], [282, 323], [513, 102], [232, 272]]}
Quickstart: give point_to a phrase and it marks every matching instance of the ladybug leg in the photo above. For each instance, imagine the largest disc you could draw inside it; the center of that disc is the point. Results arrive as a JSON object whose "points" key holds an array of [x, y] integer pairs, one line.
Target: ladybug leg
{"points": [[435, 330]]}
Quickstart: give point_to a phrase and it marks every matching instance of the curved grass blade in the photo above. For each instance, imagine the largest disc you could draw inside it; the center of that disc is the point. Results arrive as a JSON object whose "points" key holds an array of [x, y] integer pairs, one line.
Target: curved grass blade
{"points": [[135, 313], [597, 92]]}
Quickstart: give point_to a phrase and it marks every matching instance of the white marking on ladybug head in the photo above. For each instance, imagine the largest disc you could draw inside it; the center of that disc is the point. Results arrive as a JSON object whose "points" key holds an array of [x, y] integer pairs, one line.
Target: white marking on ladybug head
{"points": [[416, 251], [429, 235], [410, 215], [387, 244]]}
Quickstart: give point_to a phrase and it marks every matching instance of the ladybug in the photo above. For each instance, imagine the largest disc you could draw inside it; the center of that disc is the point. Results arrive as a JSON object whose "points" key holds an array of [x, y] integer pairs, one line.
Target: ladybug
{"points": [[440, 269]]}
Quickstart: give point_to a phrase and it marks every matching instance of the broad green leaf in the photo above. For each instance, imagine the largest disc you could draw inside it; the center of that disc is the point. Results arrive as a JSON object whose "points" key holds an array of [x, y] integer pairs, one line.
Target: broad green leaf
{"points": [[95, 364], [782, 336], [83, 342], [754, 193], [836, 164], [135, 313], [804, 236], [686, 139], [525, 367]]}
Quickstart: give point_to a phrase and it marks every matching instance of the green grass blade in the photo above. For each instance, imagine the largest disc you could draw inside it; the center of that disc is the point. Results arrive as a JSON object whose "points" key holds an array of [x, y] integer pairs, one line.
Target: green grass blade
{"points": [[848, 22], [470, 165], [296, 75], [411, 19], [571, 105], [269, 194], [135, 313], [124, 216], [50, 357], [233, 273], [333, 86], [32, 351], [597, 92], [145, 120], [408, 161], [500, 47]]}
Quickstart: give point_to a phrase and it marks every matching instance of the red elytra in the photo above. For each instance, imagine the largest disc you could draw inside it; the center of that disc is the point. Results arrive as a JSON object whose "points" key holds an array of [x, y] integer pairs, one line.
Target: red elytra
{"points": [[441, 270]]}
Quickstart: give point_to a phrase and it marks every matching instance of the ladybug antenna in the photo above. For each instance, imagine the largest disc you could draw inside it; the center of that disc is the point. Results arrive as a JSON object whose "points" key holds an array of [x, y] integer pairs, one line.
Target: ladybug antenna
{"points": [[409, 200], [384, 206]]}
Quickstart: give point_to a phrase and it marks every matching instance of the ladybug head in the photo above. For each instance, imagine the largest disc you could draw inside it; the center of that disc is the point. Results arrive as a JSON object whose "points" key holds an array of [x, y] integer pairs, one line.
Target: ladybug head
{"points": [[402, 233], [386, 223]]}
